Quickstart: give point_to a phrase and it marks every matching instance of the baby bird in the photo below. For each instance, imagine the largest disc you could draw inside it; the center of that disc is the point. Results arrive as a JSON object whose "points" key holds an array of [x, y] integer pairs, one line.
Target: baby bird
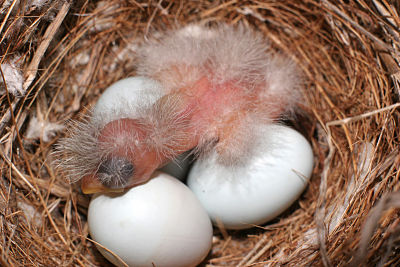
{"points": [[218, 85]]}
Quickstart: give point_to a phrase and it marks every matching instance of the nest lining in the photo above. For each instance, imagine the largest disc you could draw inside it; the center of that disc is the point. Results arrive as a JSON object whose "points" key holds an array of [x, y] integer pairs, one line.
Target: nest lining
{"points": [[58, 56]]}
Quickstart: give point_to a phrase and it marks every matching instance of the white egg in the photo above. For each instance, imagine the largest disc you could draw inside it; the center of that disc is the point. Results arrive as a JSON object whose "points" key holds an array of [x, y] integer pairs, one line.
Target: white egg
{"points": [[252, 194], [160, 223], [123, 99]]}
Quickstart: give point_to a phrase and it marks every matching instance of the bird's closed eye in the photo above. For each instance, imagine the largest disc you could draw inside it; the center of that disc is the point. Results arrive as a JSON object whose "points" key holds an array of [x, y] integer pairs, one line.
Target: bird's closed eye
{"points": [[115, 172]]}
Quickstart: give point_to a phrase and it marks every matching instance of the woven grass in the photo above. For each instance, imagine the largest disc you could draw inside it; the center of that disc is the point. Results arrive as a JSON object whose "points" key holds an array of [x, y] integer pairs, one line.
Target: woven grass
{"points": [[58, 56]]}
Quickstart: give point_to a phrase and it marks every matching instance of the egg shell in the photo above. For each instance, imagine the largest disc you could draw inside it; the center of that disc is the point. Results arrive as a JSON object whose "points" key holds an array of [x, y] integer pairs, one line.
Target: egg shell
{"points": [[160, 223], [123, 99], [271, 180]]}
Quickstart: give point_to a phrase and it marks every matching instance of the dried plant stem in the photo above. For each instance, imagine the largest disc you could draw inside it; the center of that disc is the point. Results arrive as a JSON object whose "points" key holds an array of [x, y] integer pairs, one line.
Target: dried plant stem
{"points": [[362, 116], [321, 211], [349, 52], [48, 36], [358, 27], [109, 251], [10, 9], [245, 260], [389, 201], [17, 171], [259, 253]]}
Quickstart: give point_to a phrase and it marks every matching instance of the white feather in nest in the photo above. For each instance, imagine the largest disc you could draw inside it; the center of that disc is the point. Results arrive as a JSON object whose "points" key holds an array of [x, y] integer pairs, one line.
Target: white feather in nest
{"points": [[13, 78], [219, 85]]}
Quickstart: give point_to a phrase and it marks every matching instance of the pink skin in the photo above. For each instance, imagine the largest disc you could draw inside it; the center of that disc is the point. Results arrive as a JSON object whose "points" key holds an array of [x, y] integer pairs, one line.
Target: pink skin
{"points": [[140, 156], [217, 87], [207, 102]]}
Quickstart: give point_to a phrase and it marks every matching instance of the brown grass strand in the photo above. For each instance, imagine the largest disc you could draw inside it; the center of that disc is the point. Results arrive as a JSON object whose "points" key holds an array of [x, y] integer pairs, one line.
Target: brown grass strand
{"points": [[349, 51]]}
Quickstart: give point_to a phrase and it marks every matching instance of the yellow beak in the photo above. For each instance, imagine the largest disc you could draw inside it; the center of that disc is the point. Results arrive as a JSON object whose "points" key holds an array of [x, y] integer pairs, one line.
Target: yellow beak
{"points": [[90, 185]]}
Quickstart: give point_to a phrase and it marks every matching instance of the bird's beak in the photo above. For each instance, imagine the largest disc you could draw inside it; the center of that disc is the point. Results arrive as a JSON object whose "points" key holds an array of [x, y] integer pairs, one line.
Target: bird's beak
{"points": [[90, 185]]}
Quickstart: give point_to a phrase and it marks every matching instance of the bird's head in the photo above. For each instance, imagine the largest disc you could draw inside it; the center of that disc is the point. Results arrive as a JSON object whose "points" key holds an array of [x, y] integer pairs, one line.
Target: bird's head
{"points": [[127, 162], [125, 152]]}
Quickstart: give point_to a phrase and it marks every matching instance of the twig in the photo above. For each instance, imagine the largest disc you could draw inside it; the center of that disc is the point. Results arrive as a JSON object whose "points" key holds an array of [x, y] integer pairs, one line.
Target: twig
{"points": [[7, 15], [48, 36], [17, 171], [260, 253], [358, 27], [320, 212], [219, 7], [391, 200], [109, 251], [7, 115], [255, 248], [362, 116]]}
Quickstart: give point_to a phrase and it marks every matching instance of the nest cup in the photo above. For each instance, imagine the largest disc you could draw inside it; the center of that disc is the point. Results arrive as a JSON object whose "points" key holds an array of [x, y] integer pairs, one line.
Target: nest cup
{"points": [[57, 57]]}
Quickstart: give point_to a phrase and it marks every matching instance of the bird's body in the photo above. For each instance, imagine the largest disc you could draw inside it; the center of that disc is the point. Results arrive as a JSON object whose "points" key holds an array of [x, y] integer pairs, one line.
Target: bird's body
{"points": [[217, 86]]}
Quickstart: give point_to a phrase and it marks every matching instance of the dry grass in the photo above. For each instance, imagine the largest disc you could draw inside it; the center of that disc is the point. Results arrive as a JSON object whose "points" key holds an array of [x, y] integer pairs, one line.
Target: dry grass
{"points": [[63, 54]]}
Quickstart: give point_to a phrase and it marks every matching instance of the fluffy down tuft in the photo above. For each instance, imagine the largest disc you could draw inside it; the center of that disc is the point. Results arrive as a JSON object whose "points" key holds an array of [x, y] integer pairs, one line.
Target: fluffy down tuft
{"points": [[261, 86], [269, 83]]}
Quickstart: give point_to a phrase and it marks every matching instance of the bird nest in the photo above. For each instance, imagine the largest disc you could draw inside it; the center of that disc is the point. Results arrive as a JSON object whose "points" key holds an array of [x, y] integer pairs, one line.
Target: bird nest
{"points": [[57, 57]]}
